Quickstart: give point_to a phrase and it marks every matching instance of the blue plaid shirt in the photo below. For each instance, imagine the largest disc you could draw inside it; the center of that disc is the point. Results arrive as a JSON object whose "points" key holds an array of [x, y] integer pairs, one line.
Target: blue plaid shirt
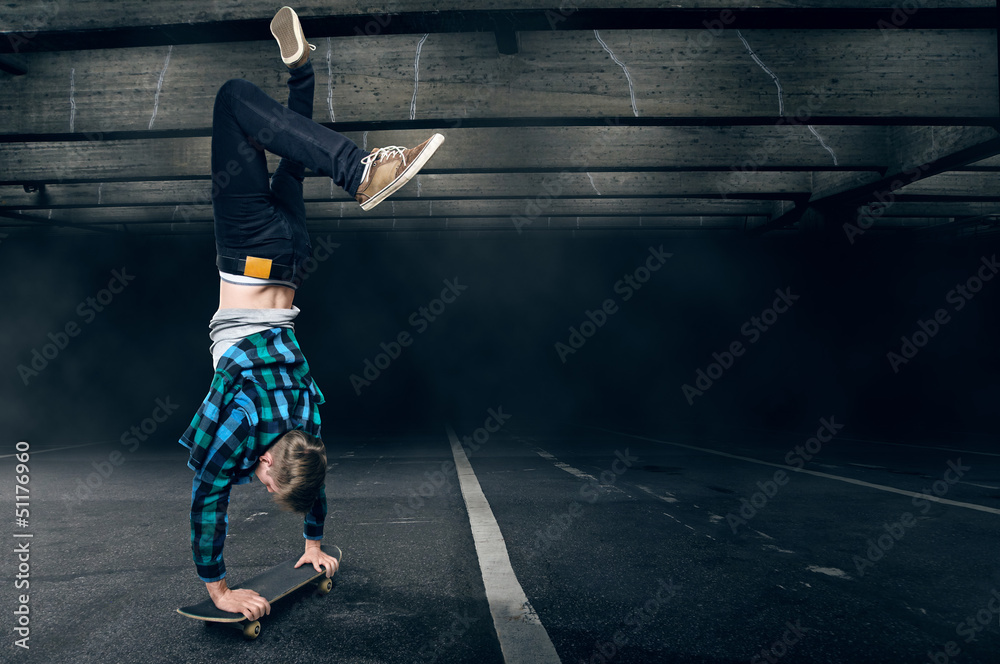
{"points": [[262, 389]]}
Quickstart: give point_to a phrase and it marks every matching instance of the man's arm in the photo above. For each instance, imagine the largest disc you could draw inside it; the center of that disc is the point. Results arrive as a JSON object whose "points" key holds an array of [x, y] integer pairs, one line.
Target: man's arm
{"points": [[209, 519], [313, 533], [209, 524], [312, 526]]}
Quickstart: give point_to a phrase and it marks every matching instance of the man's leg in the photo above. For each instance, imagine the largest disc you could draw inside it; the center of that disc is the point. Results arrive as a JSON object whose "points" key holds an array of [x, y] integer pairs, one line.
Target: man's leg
{"points": [[385, 170], [244, 107], [241, 193], [286, 183], [255, 215]]}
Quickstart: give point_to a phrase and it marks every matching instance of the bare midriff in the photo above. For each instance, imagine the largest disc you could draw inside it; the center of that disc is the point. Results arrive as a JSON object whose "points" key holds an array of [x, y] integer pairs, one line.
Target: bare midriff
{"points": [[237, 296]]}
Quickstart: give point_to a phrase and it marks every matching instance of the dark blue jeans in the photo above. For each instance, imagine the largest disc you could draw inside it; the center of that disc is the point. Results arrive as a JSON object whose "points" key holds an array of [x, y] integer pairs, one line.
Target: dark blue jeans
{"points": [[260, 217]]}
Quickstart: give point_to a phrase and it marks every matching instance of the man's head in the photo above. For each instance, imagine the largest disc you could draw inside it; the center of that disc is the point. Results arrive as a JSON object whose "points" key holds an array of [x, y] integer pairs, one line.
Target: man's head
{"points": [[293, 469]]}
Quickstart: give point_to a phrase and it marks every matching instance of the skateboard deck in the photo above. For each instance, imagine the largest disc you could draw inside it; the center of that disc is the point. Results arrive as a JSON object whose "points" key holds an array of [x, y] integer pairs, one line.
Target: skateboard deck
{"points": [[275, 583]]}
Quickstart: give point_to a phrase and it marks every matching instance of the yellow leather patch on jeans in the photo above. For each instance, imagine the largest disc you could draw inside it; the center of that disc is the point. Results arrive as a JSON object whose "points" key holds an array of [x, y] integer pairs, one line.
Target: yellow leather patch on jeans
{"points": [[258, 267]]}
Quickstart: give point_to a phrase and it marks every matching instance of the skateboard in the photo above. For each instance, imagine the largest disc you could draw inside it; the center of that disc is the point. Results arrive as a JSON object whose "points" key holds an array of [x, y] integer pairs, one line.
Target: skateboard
{"points": [[275, 583]]}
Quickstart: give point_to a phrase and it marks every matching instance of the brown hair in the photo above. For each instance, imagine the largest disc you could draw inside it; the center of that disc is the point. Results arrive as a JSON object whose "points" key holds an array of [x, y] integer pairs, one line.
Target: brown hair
{"points": [[298, 470]]}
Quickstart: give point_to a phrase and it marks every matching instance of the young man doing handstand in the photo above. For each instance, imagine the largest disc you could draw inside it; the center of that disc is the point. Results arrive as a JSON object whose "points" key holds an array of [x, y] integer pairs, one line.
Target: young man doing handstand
{"points": [[260, 417]]}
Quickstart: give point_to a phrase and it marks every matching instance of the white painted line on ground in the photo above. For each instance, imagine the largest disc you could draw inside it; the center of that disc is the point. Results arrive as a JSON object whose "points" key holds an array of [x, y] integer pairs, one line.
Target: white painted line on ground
{"points": [[921, 447], [522, 636], [576, 472], [58, 449], [981, 486], [882, 442], [669, 498], [568, 468], [776, 548], [829, 571], [791, 469]]}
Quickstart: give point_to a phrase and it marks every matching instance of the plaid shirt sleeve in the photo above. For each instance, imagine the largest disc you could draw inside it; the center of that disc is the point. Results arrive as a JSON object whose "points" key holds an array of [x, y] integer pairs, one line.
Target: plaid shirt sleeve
{"points": [[210, 493], [312, 527]]}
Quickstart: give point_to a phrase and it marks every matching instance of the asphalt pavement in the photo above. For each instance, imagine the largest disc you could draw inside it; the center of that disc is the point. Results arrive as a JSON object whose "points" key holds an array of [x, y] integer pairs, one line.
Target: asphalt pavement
{"points": [[630, 547]]}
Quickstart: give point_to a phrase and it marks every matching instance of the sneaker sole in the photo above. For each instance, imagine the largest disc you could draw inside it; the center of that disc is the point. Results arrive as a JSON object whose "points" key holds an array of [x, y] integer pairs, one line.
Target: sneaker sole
{"points": [[288, 31], [407, 174]]}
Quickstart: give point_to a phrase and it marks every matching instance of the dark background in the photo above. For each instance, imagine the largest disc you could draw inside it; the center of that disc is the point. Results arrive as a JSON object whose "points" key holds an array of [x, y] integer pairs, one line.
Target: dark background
{"points": [[495, 346]]}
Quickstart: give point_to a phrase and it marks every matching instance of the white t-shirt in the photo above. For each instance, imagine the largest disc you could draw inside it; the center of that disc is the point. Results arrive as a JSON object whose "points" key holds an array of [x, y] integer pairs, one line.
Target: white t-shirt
{"points": [[230, 326]]}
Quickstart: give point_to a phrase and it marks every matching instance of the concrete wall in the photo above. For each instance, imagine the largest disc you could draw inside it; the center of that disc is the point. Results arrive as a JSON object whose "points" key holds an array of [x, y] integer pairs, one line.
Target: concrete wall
{"points": [[495, 345]]}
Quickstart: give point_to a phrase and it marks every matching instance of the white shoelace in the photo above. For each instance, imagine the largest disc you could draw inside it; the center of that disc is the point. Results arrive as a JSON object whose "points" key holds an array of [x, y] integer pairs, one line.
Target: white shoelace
{"points": [[380, 154]]}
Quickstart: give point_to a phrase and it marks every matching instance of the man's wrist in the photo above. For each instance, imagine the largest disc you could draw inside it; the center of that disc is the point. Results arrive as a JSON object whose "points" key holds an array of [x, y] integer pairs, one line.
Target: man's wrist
{"points": [[216, 588]]}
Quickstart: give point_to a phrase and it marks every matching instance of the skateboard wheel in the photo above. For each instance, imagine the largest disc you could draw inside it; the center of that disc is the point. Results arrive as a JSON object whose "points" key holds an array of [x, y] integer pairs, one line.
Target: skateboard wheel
{"points": [[251, 631], [325, 586]]}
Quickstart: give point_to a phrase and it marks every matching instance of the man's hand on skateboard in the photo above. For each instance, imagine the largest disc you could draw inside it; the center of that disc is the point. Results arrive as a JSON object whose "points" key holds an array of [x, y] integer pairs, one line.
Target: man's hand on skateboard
{"points": [[319, 560], [241, 600], [244, 609]]}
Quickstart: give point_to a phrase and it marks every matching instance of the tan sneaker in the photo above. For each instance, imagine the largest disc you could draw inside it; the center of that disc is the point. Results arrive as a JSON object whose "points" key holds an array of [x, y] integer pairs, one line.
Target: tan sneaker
{"points": [[287, 30], [388, 169]]}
